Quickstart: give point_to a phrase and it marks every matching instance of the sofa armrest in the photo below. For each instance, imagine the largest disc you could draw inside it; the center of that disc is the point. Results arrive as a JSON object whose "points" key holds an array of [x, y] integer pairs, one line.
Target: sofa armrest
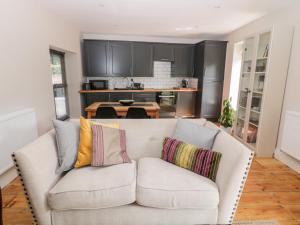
{"points": [[232, 174], [36, 164]]}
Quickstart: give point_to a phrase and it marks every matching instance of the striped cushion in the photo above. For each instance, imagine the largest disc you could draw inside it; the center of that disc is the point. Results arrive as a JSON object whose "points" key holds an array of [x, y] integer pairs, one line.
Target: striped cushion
{"points": [[200, 161], [109, 146]]}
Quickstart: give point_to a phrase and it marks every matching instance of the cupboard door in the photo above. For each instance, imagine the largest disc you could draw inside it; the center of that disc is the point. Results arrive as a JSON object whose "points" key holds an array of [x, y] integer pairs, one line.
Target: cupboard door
{"points": [[116, 96], [144, 97], [163, 52], [95, 58], [214, 61], [142, 60], [199, 61], [121, 58], [211, 100], [183, 61]]}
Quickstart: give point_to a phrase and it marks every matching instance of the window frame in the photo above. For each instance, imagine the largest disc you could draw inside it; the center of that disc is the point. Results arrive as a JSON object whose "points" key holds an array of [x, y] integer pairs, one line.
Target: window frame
{"points": [[63, 85]]}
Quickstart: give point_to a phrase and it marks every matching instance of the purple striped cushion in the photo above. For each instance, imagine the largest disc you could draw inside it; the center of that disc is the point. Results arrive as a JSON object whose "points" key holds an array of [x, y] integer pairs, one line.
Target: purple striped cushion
{"points": [[109, 146], [198, 160]]}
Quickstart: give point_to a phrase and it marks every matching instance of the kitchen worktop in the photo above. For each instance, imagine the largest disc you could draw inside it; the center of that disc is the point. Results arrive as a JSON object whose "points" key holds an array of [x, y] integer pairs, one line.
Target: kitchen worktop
{"points": [[144, 90]]}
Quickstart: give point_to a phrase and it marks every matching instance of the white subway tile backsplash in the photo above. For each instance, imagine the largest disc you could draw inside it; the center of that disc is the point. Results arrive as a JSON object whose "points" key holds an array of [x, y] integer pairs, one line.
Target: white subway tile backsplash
{"points": [[161, 79]]}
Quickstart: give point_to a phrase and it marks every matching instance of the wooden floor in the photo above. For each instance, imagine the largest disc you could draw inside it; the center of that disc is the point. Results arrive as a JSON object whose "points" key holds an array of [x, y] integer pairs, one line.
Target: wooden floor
{"points": [[272, 192]]}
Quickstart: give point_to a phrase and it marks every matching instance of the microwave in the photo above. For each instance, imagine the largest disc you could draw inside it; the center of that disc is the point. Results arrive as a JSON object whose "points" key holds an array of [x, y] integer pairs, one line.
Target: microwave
{"points": [[99, 84]]}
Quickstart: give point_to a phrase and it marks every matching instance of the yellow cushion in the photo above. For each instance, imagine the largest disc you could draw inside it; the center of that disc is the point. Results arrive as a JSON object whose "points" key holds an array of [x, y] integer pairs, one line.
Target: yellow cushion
{"points": [[84, 155]]}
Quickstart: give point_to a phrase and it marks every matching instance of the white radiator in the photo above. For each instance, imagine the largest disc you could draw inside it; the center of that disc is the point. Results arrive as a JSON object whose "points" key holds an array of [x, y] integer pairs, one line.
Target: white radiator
{"points": [[291, 134], [16, 130]]}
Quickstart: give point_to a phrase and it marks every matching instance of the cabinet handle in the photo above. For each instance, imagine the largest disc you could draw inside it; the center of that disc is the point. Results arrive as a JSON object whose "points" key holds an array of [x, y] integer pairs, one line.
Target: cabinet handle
{"points": [[164, 59]]}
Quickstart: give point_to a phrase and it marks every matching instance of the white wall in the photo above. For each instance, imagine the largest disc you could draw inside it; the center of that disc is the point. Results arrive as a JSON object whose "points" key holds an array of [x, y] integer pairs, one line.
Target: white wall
{"points": [[285, 17], [27, 32]]}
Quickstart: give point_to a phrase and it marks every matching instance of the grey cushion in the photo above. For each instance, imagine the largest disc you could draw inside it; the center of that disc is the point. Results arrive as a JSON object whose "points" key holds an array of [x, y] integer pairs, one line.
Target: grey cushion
{"points": [[195, 134], [67, 138]]}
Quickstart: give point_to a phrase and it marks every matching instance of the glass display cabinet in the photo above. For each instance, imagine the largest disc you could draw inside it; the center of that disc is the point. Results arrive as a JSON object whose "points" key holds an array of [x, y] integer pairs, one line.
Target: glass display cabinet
{"points": [[251, 89]]}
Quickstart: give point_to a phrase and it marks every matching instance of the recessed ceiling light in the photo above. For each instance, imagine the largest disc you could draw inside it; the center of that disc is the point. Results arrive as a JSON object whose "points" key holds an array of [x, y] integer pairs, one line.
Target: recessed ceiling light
{"points": [[217, 7], [101, 5]]}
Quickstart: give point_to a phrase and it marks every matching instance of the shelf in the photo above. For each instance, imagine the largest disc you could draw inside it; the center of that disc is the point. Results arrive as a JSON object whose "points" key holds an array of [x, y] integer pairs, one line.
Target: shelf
{"points": [[262, 58], [255, 111], [258, 92], [253, 124], [242, 107], [260, 72]]}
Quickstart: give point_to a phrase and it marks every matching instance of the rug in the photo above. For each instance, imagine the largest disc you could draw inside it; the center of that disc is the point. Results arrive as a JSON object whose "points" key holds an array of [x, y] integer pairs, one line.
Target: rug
{"points": [[269, 222]]}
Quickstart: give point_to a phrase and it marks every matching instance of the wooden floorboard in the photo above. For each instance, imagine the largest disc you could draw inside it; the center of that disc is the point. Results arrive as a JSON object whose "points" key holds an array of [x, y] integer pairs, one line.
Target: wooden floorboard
{"points": [[272, 192]]}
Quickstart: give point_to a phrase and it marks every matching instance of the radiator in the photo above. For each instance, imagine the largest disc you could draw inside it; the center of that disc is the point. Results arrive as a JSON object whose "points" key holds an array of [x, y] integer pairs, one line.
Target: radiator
{"points": [[291, 134], [16, 130]]}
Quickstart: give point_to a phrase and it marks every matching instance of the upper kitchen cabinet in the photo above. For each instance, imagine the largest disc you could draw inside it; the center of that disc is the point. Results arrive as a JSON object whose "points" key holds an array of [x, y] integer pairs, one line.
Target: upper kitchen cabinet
{"points": [[183, 61], [121, 58], [164, 52], [210, 60], [95, 58], [142, 59]]}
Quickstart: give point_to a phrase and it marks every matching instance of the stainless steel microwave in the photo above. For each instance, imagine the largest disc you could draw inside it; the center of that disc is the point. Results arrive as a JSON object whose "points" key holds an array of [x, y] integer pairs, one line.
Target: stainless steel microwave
{"points": [[99, 84]]}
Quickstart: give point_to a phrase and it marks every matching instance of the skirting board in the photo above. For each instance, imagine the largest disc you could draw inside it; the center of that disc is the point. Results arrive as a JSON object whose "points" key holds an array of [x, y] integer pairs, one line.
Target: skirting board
{"points": [[8, 177], [294, 164]]}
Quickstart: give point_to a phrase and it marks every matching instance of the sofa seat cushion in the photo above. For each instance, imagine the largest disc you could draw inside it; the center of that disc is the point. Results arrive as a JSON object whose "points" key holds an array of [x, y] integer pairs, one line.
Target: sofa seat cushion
{"points": [[163, 185], [95, 187]]}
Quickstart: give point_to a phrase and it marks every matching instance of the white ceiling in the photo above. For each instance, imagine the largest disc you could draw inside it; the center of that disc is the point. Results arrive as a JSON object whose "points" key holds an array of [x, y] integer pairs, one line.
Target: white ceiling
{"points": [[168, 18]]}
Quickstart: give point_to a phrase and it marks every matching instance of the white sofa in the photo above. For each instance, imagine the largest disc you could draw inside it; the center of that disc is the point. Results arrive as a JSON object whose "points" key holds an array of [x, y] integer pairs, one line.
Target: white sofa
{"points": [[148, 191]]}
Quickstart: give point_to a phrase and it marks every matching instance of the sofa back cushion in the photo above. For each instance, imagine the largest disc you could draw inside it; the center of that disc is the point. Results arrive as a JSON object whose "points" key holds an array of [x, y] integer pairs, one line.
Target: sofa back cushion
{"points": [[144, 137]]}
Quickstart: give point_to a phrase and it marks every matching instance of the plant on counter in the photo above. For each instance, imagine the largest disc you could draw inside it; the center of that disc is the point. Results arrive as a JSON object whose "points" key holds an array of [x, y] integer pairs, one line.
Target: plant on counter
{"points": [[227, 117]]}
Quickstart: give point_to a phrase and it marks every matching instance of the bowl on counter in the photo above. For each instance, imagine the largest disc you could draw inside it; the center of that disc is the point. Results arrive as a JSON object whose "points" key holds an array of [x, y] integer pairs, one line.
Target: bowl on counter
{"points": [[126, 102]]}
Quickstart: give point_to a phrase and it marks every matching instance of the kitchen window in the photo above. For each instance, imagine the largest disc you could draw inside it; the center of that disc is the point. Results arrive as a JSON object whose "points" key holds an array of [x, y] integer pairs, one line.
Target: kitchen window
{"points": [[59, 83]]}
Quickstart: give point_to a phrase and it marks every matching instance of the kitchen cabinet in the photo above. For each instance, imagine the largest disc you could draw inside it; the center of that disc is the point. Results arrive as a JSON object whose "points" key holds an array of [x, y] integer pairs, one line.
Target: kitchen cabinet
{"points": [[163, 52], [116, 96], [96, 97], [121, 58], [183, 61], [209, 69], [211, 99], [142, 59], [144, 97], [95, 55]]}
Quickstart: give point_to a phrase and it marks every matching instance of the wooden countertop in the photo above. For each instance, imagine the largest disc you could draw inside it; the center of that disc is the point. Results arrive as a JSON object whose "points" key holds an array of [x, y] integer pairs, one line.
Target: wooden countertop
{"points": [[144, 90]]}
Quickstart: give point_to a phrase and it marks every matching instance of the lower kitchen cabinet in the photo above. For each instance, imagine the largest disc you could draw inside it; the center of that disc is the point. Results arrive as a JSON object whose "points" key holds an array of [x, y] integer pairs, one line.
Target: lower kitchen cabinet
{"points": [[144, 97], [209, 100], [96, 97], [116, 96]]}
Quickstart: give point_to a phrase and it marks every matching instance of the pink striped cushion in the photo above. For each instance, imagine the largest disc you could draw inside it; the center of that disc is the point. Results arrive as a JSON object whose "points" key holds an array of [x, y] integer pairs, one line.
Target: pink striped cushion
{"points": [[109, 146]]}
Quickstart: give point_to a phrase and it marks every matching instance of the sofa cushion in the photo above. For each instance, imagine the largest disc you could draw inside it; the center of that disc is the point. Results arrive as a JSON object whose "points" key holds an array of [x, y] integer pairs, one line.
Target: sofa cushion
{"points": [[95, 187], [163, 185], [195, 134]]}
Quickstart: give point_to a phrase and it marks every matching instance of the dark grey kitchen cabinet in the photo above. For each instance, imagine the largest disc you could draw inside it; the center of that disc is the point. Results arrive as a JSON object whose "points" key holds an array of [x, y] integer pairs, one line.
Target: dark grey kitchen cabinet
{"points": [[163, 52], [144, 96], [95, 55], [142, 59], [116, 96], [183, 61], [211, 99], [209, 61], [120, 58]]}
